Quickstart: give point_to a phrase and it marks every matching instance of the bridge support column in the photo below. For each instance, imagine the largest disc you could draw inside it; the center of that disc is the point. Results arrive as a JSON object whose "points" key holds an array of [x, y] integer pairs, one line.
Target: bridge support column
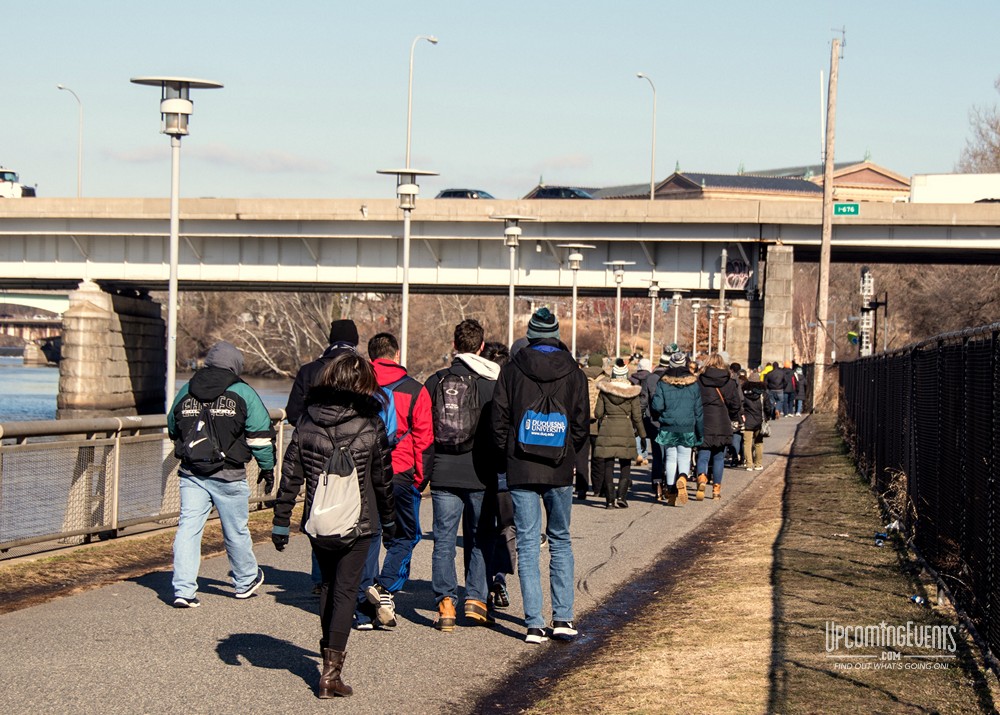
{"points": [[113, 356], [777, 343], [743, 332]]}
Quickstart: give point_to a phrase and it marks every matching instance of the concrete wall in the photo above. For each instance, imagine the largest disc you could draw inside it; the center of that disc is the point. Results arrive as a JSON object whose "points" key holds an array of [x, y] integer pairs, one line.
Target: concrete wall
{"points": [[776, 342], [113, 356]]}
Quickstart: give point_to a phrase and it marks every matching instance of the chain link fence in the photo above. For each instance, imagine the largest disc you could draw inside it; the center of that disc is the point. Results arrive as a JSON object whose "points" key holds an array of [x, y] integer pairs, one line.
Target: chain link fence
{"points": [[923, 422], [69, 481]]}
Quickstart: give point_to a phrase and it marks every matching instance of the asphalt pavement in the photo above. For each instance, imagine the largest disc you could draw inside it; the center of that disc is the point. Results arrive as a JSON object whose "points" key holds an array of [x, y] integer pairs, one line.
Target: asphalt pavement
{"points": [[124, 649]]}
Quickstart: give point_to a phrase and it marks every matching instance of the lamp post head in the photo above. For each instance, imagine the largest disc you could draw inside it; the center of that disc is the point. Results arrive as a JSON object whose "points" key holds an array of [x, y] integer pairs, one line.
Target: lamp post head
{"points": [[575, 257], [431, 39], [511, 229], [654, 289], [619, 269], [175, 100], [406, 185]]}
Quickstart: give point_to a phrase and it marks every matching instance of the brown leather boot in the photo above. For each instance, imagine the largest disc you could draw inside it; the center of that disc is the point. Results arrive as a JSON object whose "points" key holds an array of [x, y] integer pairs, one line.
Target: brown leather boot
{"points": [[681, 490], [716, 491], [671, 496], [446, 616], [702, 481], [330, 683]]}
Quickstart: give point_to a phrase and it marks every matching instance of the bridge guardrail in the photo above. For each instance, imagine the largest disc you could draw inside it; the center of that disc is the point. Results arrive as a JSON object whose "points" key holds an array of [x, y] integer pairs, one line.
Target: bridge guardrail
{"points": [[72, 480], [924, 423]]}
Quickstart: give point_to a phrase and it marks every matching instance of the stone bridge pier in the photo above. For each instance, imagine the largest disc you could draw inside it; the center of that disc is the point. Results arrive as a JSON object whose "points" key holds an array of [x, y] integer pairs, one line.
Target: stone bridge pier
{"points": [[113, 356]]}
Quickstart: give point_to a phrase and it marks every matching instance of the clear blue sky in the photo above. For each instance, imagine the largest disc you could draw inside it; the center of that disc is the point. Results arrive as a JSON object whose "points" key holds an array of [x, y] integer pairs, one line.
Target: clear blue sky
{"points": [[315, 91]]}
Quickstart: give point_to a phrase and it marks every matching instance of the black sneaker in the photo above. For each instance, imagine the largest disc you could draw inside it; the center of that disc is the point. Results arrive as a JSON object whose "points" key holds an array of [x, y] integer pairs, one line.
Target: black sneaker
{"points": [[536, 636], [499, 596], [181, 602], [252, 588], [564, 630], [378, 596]]}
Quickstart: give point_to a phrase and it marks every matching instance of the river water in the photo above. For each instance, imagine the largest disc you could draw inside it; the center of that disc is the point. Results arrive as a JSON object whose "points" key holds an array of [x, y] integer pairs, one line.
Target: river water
{"points": [[29, 393]]}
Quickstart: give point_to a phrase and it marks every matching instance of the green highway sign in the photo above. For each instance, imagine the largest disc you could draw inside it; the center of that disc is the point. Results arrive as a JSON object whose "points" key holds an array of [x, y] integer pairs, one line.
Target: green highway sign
{"points": [[846, 210]]}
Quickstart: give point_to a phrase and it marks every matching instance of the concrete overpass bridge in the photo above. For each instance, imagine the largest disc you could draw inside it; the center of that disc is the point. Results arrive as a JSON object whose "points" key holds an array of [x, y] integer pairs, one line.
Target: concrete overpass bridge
{"points": [[342, 245]]}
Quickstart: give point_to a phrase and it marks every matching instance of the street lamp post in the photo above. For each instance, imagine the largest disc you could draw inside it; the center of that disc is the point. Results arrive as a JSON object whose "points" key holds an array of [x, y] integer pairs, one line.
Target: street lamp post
{"points": [[409, 92], [677, 314], [654, 293], [575, 259], [695, 306], [711, 314], [512, 236], [79, 141], [406, 190], [175, 109], [652, 160], [619, 268]]}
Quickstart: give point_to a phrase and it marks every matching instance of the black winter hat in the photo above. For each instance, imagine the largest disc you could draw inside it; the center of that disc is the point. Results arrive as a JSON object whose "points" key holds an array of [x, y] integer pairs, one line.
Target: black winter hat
{"points": [[344, 331]]}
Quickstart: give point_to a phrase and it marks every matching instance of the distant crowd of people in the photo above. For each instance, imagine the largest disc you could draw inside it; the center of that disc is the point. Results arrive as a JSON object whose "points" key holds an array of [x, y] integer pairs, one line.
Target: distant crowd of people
{"points": [[505, 437]]}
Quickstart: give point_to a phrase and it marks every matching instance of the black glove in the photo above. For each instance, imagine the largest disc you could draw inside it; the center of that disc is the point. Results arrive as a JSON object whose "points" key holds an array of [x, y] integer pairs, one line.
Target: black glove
{"points": [[267, 476], [280, 541], [388, 533]]}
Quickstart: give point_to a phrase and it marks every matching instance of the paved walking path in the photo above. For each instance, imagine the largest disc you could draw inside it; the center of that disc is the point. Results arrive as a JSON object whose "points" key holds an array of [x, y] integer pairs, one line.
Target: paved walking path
{"points": [[123, 649]]}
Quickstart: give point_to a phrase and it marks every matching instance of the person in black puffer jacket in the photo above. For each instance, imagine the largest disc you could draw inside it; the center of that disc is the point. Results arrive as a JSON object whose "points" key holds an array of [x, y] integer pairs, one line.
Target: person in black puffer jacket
{"points": [[342, 410], [722, 404], [757, 407]]}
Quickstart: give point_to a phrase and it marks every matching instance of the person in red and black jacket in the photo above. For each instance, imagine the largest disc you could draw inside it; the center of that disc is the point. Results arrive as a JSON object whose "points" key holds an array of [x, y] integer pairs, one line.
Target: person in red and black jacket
{"points": [[411, 466]]}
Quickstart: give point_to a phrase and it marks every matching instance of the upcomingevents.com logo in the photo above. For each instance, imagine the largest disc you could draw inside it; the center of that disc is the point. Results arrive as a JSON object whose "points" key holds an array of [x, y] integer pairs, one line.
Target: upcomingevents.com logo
{"points": [[909, 646]]}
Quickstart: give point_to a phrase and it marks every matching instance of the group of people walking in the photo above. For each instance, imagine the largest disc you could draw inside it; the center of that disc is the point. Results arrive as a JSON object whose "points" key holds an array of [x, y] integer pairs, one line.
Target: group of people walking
{"points": [[502, 436]]}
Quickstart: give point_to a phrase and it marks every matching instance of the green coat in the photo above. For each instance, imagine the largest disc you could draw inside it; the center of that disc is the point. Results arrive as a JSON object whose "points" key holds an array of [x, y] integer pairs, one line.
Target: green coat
{"points": [[619, 420]]}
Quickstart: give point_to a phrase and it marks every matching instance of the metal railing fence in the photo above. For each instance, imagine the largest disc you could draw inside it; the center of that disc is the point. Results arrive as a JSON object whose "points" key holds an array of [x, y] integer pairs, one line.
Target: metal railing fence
{"points": [[72, 480], [923, 422]]}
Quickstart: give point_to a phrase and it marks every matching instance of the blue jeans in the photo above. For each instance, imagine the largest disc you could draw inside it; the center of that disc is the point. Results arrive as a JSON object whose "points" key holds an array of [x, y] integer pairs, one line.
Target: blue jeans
{"points": [[452, 507], [718, 457], [232, 500], [677, 461], [789, 403], [777, 399], [558, 503], [801, 404], [396, 565]]}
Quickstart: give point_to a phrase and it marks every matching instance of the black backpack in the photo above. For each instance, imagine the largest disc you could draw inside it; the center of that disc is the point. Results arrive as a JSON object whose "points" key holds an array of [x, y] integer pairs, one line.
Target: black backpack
{"points": [[543, 430], [199, 449], [456, 412]]}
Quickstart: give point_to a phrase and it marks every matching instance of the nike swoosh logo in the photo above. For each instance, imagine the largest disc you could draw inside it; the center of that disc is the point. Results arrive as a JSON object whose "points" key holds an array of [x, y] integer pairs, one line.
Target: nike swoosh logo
{"points": [[196, 442]]}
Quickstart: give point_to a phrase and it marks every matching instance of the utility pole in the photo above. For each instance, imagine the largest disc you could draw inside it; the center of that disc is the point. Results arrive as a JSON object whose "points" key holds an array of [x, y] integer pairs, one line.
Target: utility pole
{"points": [[823, 296]]}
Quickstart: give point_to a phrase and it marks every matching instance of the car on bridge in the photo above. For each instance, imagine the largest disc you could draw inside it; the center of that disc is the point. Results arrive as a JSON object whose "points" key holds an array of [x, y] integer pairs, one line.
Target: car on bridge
{"points": [[464, 194], [558, 192]]}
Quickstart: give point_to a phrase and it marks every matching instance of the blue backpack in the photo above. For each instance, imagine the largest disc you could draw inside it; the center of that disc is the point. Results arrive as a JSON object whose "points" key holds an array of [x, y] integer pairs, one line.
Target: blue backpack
{"points": [[388, 416], [543, 430]]}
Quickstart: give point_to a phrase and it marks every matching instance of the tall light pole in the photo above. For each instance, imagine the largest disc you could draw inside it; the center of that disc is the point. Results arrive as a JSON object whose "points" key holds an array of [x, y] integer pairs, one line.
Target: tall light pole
{"points": [[79, 141], [175, 109], [652, 160], [654, 293], [409, 91], [619, 268], [575, 259], [677, 313], [711, 314], [695, 305], [512, 236], [406, 190]]}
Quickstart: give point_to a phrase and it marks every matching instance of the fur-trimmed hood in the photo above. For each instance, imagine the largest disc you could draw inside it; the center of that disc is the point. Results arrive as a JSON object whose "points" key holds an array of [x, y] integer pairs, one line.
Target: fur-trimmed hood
{"points": [[625, 390], [681, 381]]}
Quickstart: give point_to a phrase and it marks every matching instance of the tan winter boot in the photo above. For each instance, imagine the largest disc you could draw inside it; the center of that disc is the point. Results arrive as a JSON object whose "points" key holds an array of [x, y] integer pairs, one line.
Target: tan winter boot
{"points": [[446, 616], [330, 683], [716, 491], [658, 487], [702, 481], [682, 490]]}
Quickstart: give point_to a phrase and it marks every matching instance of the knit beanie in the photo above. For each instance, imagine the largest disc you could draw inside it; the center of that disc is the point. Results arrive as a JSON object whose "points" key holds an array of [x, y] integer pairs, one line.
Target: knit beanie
{"points": [[344, 331], [665, 360], [543, 325], [619, 371], [595, 360], [645, 364], [678, 359]]}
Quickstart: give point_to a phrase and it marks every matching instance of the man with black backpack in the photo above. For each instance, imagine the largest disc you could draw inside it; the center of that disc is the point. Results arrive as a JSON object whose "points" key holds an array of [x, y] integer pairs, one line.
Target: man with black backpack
{"points": [[464, 465], [218, 424], [541, 416]]}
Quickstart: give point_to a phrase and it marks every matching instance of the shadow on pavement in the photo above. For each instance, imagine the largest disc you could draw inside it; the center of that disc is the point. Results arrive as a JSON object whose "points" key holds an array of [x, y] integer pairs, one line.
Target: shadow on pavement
{"points": [[263, 651]]}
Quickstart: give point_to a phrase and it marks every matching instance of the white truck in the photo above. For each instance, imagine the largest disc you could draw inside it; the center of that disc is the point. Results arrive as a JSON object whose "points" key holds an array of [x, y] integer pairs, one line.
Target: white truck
{"points": [[10, 186]]}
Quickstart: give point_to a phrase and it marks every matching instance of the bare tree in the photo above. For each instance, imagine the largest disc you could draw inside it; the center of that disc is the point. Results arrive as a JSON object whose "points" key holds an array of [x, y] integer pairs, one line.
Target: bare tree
{"points": [[981, 154]]}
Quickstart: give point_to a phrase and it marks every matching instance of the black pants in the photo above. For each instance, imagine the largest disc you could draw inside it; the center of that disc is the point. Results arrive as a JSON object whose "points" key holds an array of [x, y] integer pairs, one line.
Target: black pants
{"points": [[607, 471], [583, 469], [341, 569]]}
